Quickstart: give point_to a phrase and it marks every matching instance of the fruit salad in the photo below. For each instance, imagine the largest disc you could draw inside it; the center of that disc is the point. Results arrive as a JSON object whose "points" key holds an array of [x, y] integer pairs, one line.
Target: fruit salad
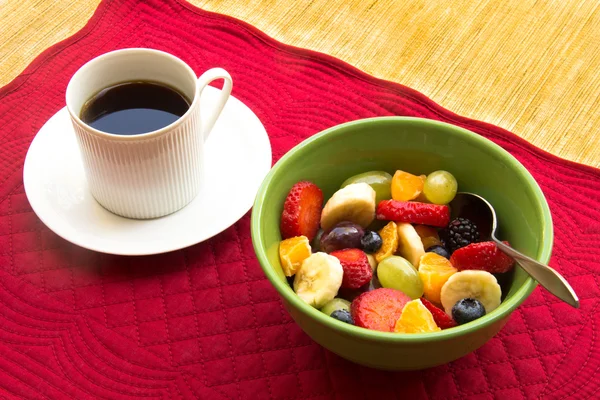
{"points": [[383, 253]]}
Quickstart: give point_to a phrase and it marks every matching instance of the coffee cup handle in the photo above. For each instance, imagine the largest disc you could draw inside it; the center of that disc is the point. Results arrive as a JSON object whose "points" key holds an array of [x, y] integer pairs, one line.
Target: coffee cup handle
{"points": [[206, 78]]}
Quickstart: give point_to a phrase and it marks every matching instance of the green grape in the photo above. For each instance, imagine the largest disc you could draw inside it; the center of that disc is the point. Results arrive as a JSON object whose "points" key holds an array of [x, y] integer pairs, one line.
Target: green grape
{"points": [[380, 181], [336, 304], [398, 273], [440, 187]]}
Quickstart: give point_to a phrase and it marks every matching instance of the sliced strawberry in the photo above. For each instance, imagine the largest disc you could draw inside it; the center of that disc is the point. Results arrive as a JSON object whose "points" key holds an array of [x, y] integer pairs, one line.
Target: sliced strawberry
{"points": [[439, 316], [357, 270], [484, 256], [414, 212], [378, 309], [302, 211]]}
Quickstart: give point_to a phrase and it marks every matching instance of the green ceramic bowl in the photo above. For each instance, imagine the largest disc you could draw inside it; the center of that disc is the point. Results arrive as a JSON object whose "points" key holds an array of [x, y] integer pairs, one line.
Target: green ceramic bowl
{"points": [[419, 146]]}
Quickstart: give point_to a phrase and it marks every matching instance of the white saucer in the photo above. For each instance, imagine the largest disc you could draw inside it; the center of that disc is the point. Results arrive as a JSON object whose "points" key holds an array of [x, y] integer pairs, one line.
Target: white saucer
{"points": [[237, 158]]}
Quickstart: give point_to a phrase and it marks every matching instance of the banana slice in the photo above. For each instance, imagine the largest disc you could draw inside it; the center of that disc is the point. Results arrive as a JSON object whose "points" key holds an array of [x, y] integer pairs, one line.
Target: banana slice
{"points": [[410, 245], [354, 203], [318, 279], [372, 262], [479, 285]]}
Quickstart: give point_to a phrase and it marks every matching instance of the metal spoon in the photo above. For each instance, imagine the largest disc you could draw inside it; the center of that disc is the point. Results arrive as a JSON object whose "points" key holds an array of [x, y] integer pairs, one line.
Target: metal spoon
{"points": [[481, 212]]}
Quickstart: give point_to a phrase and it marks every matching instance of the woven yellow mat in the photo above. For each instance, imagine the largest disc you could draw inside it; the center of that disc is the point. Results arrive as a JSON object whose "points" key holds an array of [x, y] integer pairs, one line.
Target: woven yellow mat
{"points": [[528, 66]]}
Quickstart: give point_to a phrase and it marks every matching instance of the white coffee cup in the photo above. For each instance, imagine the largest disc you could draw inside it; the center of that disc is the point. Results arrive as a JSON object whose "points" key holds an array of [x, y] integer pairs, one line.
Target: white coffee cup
{"points": [[152, 174]]}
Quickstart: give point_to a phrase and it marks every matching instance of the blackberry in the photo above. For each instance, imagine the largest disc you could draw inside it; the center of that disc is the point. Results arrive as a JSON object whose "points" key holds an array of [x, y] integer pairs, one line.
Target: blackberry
{"points": [[460, 232]]}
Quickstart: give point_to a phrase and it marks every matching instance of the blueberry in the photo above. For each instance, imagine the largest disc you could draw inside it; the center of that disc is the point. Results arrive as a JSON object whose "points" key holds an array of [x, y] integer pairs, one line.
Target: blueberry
{"points": [[371, 241], [467, 310], [437, 249], [343, 315]]}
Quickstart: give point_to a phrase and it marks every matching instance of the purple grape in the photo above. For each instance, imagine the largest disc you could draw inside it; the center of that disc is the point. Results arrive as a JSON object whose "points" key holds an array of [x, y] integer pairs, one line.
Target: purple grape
{"points": [[345, 235]]}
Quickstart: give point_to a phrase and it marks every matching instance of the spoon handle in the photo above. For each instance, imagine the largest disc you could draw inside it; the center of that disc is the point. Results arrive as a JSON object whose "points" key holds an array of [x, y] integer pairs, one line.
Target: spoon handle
{"points": [[546, 276]]}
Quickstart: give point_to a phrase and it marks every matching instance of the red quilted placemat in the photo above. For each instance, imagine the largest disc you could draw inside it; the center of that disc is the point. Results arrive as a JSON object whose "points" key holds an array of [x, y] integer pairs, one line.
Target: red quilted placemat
{"points": [[203, 322]]}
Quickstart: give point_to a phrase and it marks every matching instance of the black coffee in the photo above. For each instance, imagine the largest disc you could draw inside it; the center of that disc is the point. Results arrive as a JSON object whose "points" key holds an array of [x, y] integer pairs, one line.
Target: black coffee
{"points": [[132, 108]]}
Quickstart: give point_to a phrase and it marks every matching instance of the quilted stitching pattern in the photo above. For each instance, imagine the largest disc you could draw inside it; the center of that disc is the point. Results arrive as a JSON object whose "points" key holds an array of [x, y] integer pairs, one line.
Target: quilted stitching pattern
{"points": [[203, 322]]}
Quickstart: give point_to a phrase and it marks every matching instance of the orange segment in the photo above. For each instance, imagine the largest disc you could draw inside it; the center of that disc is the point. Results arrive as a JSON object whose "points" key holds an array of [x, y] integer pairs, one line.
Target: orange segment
{"points": [[426, 231], [430, 241], [434, 271], [415, 318], [292, 252], [389, 235], [406, 186], [421, 197], [429, 236]]}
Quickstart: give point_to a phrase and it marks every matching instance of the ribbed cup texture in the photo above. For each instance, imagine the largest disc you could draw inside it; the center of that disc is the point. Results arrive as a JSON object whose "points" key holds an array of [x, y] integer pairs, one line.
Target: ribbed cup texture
{"points": [[144, 178]]}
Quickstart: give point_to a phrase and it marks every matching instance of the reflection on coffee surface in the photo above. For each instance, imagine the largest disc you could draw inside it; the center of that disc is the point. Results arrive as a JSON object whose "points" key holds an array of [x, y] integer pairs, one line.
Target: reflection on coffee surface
{"points": [[133, 108]]}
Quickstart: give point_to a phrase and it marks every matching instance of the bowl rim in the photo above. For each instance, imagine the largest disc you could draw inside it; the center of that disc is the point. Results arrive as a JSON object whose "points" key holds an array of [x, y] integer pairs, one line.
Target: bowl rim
{"points": [[498, 314]]}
